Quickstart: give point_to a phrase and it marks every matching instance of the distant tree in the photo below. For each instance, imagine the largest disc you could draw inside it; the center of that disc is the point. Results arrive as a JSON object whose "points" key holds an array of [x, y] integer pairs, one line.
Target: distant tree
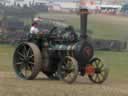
{"points": [[30, 3], [14, 3], [18, 5], [25, 6]]}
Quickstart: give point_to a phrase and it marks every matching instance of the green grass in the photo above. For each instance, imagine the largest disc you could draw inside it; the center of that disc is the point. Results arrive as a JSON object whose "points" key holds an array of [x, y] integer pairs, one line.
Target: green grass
{"points": [[6, 55], [104, 27], [118, 63], [117, 83]]}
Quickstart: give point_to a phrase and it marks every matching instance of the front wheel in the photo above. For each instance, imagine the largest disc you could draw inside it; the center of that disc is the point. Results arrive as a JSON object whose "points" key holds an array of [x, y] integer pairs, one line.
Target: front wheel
{"points": [[100, 71], [68, 69]]}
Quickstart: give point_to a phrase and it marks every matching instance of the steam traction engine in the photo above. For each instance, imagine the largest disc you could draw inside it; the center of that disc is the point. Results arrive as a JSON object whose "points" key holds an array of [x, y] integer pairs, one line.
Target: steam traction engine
{"points": [[59, 57]]}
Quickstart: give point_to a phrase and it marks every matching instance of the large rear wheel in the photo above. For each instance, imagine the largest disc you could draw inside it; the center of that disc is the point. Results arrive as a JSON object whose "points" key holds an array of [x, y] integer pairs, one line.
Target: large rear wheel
{"points": [[27, 61]]}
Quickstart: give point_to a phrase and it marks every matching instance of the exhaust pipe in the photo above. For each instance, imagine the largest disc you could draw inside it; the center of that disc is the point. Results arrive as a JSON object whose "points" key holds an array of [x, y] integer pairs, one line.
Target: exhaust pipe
{"points": [[83, 18]]}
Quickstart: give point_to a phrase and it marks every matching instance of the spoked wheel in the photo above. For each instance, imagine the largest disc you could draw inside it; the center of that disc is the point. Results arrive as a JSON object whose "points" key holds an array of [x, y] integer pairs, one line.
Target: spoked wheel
{"points": [[68, 69], [27, 61], [100, 71]]}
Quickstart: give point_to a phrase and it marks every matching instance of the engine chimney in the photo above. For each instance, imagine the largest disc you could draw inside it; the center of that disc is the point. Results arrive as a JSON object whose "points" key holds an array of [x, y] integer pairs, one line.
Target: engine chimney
{"points": [[83, 18]]}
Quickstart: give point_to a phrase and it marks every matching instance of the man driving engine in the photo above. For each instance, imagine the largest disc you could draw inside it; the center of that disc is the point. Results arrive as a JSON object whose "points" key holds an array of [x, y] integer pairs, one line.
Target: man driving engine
{"points": [[35, 34], [34, 29]]}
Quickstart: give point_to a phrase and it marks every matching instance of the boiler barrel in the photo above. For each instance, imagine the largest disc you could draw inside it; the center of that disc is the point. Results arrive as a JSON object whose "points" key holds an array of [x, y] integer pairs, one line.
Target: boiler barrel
{"points": [[81, 50]]}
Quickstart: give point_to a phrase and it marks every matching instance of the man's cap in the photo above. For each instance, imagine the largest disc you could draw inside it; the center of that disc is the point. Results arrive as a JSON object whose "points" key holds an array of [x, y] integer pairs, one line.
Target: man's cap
{"points": [[38, 19]]}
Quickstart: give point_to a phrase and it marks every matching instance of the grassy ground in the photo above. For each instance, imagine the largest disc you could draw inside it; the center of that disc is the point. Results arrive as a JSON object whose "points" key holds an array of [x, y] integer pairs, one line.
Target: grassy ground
{"points": [[107, 27], [6, 55], [116, 85]]}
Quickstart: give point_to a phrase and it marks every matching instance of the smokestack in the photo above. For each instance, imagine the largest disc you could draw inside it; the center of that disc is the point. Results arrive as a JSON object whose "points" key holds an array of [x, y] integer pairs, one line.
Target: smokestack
{"points": [[83, 18]]}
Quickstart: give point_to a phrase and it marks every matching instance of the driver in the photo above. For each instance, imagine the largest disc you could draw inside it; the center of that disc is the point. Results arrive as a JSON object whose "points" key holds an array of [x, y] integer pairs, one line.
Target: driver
{"points": [[34, 28], [35, 34]]}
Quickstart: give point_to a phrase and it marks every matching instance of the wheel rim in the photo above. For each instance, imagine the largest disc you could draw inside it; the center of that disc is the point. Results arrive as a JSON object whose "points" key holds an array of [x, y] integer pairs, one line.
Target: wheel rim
{"points": [[24, 61], [69, 70], [101, 71]]}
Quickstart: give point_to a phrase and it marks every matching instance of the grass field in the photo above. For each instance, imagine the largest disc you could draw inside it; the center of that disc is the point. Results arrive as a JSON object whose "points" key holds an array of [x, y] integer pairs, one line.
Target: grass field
{"points": [[116, 85], [107, 27]]}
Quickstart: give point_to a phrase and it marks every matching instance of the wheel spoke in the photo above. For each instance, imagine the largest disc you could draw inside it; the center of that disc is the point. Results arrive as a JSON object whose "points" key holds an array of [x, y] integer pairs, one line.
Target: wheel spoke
{"points": [[102, 75], [102, 65], [28, 52], [97, 63], [22, 55], [99, 79], [94, 77], [102, 70], [21, 59], [19, 63], [25, 71], [31, 63], [69, 76], [25, 51], [22, 70], [31, 56]]}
